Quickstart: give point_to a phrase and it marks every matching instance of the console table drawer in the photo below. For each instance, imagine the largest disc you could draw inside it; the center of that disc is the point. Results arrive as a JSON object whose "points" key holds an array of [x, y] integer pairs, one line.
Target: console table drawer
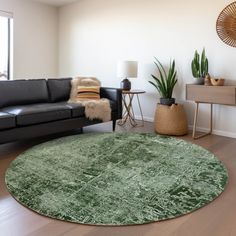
{"points": [[225, 95]]}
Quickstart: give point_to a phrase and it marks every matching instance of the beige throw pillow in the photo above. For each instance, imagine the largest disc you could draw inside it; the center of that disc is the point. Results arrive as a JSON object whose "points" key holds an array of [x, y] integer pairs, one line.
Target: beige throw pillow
{"points": [[88, 93], [82, 81]]}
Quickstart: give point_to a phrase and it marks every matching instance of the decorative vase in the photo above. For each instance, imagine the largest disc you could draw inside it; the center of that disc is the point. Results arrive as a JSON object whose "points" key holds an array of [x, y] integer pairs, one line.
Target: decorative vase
{"points": [[125, 84], [207, 80], [199, 81], [217, 82], [167, 101]]}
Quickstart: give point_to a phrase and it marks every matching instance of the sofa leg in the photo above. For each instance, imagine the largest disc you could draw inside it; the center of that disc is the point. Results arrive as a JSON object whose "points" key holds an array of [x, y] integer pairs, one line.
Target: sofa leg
{"points": [[114, 125]]}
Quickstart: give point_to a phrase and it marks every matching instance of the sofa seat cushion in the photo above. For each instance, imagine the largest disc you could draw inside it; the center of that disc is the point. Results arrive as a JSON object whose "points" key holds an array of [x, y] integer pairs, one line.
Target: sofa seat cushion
{"points": [[77, 110], [39, 113], [7, 121]]}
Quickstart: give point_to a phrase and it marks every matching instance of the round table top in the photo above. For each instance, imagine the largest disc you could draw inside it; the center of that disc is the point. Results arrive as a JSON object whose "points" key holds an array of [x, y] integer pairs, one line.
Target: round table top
{"points": [[135, 91]]}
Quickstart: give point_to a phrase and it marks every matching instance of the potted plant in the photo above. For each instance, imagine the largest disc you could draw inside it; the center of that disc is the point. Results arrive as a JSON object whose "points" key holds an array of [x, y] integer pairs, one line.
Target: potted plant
{"points": [[165, 82], [199, 67]]}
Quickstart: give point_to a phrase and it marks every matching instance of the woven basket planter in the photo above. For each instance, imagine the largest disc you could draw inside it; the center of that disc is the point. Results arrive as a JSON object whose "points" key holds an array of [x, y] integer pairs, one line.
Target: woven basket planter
{"points": [[171, 120]]}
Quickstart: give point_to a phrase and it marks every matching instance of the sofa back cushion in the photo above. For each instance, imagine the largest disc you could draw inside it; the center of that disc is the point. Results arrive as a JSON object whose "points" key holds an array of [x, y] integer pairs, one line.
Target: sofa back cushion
{"points": [[59, 89], [21, 92]]}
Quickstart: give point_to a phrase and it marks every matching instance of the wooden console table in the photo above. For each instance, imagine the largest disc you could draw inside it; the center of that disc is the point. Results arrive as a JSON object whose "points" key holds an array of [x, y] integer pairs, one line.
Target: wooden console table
{"points": [[222, 95]]}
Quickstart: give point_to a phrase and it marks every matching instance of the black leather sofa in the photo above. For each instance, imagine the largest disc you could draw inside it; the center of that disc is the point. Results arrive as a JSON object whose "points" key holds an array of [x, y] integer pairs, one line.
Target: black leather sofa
{"points": [[34, 108]]}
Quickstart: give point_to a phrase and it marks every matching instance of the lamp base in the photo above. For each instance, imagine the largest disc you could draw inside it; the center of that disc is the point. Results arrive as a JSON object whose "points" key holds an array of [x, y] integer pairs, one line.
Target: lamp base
{"points": [[125, 84]]}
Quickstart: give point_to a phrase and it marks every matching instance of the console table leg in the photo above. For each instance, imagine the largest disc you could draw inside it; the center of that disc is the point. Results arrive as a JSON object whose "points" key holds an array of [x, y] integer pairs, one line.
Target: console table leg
{"points": [[211, 119], [195, 122]]}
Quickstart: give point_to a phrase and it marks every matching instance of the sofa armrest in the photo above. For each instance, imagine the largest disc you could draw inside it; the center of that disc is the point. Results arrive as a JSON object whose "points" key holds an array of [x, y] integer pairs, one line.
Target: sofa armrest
{"points": [[115, 95]]}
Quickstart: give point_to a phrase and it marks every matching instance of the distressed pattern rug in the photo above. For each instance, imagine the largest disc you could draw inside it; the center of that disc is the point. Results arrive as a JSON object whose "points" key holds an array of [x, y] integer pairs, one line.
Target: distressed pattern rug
{"points": [[115, 179]]}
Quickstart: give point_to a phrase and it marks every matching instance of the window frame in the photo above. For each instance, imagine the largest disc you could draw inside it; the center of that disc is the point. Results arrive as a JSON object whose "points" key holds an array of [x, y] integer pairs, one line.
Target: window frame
{"points": [[9, 17]]}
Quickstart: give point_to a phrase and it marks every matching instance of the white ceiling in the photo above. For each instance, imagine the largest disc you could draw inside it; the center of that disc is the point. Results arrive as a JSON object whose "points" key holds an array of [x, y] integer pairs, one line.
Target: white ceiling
{"points": [[57, 3]]}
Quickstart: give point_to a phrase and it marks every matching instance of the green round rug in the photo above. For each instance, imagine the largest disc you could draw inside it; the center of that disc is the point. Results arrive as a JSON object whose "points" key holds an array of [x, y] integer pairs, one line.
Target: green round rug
{"points": [[115, 179]]}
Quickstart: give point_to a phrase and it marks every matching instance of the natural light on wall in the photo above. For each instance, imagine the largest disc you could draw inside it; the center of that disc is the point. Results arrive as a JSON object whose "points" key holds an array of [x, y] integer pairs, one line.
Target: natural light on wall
{"points": [[6, 45]]}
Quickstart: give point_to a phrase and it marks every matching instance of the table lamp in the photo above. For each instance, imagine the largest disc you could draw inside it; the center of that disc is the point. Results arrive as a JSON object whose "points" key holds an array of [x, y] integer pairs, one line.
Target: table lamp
{"points": [[125, 70]]}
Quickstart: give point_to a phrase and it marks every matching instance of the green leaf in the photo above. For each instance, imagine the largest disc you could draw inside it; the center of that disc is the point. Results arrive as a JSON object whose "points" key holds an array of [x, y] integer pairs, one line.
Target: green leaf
{"points": [[203, 60], [197, 60], [163, 69], [206, 66], [162, 78], [195, 70], [154, 85], [159, 85]]}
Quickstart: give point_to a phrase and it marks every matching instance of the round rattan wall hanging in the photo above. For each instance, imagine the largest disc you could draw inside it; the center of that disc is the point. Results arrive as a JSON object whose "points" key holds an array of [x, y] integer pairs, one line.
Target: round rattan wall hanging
{"points": [[226, 25]]}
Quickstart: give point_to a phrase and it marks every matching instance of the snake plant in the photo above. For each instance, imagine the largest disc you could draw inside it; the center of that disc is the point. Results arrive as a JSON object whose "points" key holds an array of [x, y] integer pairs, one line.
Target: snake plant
{"points": [[166, 81], [200, 66]]}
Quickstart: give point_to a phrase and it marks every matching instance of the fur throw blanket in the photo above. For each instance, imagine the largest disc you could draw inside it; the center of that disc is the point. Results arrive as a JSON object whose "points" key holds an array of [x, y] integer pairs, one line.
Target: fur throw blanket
{"points": [[94, 109]]}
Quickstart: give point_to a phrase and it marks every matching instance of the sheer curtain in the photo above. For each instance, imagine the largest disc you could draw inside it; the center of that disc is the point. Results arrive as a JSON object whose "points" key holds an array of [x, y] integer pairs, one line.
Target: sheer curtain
{"points": [[6, 26]]}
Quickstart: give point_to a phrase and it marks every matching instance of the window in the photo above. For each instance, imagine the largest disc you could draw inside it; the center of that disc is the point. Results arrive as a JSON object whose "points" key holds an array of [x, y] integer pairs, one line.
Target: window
{"points": [[6, 32]]}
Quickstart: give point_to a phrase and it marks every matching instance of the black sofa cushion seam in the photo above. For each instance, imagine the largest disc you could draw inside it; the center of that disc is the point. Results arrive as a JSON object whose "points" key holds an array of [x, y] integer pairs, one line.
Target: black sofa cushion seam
{"points": [[50, 112]]}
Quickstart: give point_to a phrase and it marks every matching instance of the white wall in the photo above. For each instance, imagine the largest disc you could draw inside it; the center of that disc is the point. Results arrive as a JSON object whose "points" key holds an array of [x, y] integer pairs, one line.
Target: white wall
{"points": [[95, 34], [35, 38]]}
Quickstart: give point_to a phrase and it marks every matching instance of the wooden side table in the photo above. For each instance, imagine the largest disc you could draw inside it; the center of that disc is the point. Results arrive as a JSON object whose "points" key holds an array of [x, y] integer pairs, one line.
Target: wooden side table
{"points": [[128, 112], [221, 95]]}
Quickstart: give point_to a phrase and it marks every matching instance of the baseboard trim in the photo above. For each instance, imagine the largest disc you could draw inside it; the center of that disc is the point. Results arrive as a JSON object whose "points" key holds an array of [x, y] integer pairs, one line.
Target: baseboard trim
{"points": [[145, 118], [199, 129], [215, 131]]}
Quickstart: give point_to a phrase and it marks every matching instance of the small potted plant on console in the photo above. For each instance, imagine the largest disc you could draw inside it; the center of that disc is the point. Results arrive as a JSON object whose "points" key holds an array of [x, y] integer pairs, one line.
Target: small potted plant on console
{"points": [[199, 67]]}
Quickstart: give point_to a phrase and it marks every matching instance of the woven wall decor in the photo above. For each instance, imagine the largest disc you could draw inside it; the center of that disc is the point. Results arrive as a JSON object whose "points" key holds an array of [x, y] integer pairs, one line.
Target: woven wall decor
{"points": [[226, 25]]}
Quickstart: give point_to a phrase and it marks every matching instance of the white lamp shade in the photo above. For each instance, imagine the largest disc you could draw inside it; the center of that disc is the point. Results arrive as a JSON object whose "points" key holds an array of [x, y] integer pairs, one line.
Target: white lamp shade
{"points": [[127, 69]]}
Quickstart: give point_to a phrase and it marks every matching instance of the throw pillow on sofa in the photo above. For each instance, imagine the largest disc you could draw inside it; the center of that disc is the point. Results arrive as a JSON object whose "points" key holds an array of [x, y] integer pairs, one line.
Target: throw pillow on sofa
{"points": [[88, 92], [81, 81]]}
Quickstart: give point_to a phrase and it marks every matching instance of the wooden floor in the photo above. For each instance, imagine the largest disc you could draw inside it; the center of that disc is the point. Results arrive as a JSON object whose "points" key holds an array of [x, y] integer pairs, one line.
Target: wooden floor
{"points": [[216, 219]]}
